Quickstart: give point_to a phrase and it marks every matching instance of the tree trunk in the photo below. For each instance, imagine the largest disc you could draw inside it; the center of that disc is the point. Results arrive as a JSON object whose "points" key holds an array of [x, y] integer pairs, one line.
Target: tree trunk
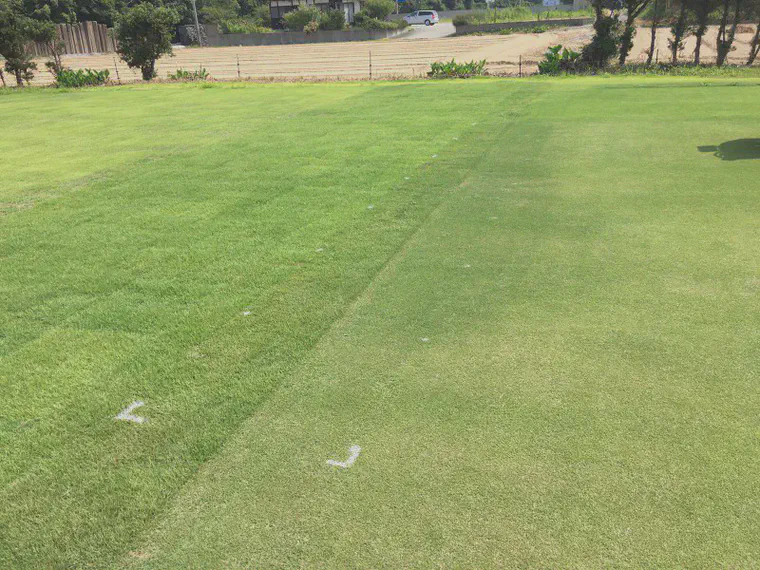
{"points": [[721, 39], [732, 32], [2, 78], [698, 49], [597, 4], [626, 41], [655, 22], [149, 71], [19, 78], [754, 47], [679, 32]]}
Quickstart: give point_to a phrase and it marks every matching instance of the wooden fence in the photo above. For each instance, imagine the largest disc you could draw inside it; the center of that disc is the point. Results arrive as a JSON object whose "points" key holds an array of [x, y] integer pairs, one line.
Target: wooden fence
{"points": [[85, 37]]}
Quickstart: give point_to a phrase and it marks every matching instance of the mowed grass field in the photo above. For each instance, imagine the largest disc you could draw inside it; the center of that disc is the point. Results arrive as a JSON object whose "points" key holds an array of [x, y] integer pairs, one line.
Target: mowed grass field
{"points": [[534, 305]]}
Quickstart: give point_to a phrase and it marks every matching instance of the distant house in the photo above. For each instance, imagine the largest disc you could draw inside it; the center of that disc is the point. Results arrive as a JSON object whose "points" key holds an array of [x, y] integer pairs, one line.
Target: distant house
{"points": [[278, 8]]}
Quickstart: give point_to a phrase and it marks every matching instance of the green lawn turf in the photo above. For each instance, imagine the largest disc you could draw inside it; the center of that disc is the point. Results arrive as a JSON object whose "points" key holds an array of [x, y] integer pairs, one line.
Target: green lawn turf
{"points": [[587, 282]]}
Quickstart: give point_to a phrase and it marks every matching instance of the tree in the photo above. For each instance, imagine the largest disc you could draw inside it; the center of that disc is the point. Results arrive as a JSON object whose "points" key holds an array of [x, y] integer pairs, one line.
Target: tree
{"points": [[145, 34], [604, 44], [297, 20], [634, 8], [101, 11], [702, 10], [45, 32], [726, 35], [657, 13], [16, 31], [679, 30], [56, 11], [754, 46]]}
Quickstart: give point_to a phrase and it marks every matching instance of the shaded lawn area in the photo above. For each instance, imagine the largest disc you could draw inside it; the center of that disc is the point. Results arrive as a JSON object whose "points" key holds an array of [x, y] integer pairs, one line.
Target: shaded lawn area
{"points": [[261, 263]]}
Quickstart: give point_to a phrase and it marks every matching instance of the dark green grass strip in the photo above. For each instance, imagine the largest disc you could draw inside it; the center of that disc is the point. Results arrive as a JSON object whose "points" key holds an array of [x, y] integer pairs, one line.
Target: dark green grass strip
{"points": [[133, 288]]}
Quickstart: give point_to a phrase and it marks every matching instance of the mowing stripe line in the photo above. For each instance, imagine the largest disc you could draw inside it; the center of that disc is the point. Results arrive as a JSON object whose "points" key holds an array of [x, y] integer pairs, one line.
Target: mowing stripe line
{"points": [[362, 297]]}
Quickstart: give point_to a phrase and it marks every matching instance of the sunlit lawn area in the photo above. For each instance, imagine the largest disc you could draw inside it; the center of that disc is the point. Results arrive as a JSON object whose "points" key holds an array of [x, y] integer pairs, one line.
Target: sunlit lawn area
{"points": [[534, 305]]}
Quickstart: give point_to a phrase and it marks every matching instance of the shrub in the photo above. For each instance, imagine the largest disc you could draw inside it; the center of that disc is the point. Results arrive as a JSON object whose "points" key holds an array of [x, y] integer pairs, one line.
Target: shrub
{"points": [[199, 74], [332, 20], [262, 14], [311, 27], [81, 77], [243, 26], [145, 34], [463, 20], [604, 44], [217, 11], [451, 68], [379, 9], [298, 19], [558, 60], [364, 21]]}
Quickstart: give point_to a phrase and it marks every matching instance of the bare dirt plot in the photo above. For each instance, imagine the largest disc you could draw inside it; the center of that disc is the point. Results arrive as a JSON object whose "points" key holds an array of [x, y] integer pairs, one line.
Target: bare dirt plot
{"points": [[389, 58]]}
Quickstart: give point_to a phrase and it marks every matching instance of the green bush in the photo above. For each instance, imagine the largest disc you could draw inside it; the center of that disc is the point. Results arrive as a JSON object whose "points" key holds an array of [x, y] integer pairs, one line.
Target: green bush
{"points": [[81, 77], [440, 70], [559, 60], [332, 20], [311, 27], [199, 74], [379, 9], [297, 20], [364, 21], [247, 25], [463, 20], [604, 44]]}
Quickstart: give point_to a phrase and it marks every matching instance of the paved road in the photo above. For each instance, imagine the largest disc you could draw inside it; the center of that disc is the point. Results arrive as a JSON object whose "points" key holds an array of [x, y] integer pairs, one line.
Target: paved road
{"points": [[430, 32]]}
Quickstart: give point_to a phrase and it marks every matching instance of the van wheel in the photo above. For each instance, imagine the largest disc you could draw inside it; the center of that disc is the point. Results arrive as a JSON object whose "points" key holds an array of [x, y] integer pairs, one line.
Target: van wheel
{"points": [[427, 22]]}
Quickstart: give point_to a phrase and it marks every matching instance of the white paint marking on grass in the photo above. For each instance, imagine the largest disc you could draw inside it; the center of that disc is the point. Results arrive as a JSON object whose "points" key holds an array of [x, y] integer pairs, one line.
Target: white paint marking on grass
{"points": [[425, 339], [126, 414], [320, 249], [493, 218], [467, 266], [406, 178], [371, 207], [435, 156], [246, 313], [354, 450]]}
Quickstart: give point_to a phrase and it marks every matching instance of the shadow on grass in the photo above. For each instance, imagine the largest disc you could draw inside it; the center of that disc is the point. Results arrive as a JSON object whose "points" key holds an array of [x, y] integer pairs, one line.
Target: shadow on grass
{"points": [[740, 149]]}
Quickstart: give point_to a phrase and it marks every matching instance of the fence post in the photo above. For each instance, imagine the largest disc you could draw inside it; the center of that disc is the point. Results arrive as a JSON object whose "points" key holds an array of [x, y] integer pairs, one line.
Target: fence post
{"points": [[116, 67], [238, 65], [370, 64], [520, 73]]}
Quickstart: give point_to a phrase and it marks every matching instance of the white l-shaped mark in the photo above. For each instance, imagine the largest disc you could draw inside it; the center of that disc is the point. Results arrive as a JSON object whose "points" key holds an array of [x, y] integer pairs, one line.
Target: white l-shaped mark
{"points": [[355, 450], [126, 414]]}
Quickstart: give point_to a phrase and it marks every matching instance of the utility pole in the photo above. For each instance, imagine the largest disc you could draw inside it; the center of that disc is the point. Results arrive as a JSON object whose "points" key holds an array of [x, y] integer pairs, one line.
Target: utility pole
{"points": [[197, 25]]}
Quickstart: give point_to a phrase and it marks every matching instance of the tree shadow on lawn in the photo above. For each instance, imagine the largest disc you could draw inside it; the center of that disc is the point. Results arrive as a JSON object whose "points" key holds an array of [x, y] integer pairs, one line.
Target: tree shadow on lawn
{"points": [[740, 149]]}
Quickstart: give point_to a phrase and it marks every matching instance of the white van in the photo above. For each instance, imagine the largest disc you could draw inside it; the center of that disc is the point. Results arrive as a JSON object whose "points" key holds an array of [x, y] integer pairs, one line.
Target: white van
{"points": [[427, 17]]}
